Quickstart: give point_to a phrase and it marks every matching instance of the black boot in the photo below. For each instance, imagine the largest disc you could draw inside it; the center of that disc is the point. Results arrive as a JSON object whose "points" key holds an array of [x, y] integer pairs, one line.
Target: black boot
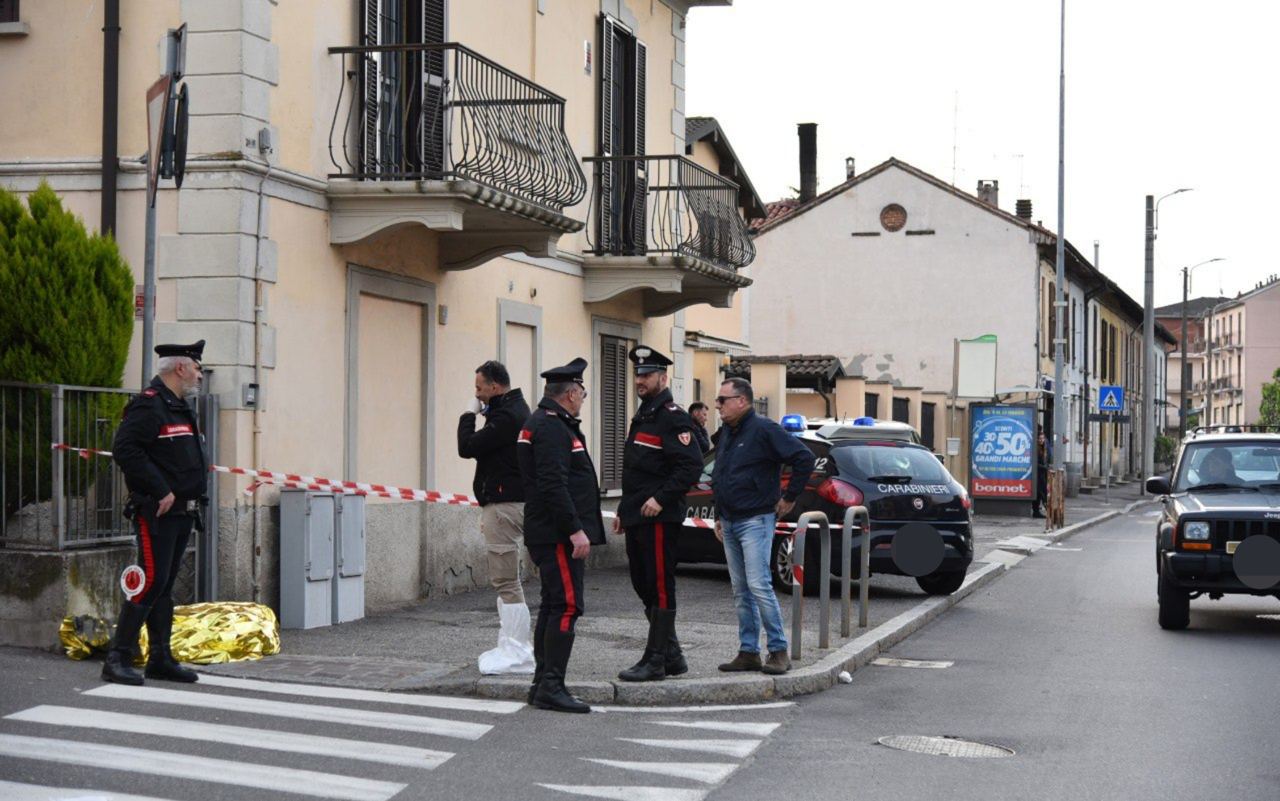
{"points": [[644, 658], [119, 664], [655, 667], [160, 662], [551, 693], [676, 664]]}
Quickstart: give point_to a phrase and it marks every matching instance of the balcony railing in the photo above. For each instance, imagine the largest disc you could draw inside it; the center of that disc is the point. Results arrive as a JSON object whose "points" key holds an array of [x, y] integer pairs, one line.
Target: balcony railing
{"points": [[445, 112], [665, 205]]}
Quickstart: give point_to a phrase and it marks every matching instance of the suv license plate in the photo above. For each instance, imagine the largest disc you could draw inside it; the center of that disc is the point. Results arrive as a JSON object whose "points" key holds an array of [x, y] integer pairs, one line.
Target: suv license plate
{"points": [[1231, 546]]}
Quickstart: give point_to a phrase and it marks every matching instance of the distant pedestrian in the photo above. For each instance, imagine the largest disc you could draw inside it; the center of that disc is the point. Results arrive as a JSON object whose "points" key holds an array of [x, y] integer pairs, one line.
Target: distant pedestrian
{"points": [[660, 462], [1042, 476], [160, 450], [698, 411], [748, 470], [500, 490], [561, 521]]}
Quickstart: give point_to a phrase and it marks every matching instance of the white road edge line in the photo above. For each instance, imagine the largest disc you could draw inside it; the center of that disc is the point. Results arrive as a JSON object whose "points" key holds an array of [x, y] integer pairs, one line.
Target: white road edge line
{"points": [[352, 694], [893, 661], [363, 750], [204, 769], [326, 714], [754, 729], [672, 710]]}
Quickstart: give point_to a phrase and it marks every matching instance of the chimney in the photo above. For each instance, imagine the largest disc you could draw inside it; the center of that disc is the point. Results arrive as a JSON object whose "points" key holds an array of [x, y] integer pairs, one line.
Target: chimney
{"points": [[989, 192], [1024, 210], [808, 160], [848, 168]]}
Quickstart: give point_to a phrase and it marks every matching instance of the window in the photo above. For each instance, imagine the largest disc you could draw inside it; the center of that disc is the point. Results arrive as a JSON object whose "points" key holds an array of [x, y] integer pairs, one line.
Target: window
{"points": [[871, 405], [623, 185], [927, 412], [8, 10], [902, 410], [613, 410]]}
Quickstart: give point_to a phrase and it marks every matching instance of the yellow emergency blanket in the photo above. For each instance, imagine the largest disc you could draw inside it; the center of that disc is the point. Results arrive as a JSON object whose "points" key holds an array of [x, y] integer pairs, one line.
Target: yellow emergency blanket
{"points": [[203, 634]]}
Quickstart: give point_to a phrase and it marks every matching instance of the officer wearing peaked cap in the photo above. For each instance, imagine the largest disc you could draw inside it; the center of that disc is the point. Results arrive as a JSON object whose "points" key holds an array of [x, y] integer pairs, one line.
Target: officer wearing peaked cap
{"points": [[661, 461], [561, 522], [159, 449]]}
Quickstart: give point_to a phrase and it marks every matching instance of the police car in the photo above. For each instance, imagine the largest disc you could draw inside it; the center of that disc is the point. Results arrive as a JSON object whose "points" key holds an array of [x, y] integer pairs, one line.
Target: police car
{"points": [[898, 480]]}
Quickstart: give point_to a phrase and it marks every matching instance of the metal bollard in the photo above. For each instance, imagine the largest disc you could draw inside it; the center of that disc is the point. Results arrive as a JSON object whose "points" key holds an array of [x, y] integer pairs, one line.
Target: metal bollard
{"points": [[861, 514], [797, 581]]}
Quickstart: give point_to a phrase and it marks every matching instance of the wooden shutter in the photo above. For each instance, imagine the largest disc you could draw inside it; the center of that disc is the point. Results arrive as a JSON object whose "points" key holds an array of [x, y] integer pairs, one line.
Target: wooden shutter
{"points": [[605, 171], [434, 132], [370, 64], [871, 405], [902, 410], [927, 412], [640, 185], [613, 410]]}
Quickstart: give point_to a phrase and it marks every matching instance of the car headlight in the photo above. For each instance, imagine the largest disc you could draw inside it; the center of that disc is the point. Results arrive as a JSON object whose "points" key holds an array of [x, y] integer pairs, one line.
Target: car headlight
{"points": [[1198, 530]]}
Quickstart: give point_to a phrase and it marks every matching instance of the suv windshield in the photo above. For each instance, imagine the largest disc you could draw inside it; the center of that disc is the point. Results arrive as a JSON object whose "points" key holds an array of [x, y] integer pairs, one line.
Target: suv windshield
{"points": [[1227, 465], [886, 462]]}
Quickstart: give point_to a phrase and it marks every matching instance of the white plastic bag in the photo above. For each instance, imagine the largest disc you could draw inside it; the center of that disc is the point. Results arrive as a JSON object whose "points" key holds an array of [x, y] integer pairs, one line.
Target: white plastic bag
{"points": [[514, 653]]}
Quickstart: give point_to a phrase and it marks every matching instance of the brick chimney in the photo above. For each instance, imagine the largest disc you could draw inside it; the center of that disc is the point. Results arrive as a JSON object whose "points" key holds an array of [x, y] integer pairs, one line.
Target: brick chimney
{"points": [[989, 192]]}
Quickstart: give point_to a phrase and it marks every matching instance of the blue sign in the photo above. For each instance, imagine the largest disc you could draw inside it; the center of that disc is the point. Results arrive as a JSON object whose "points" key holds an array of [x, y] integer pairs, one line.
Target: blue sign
{"points": [[1110, 399], [1002, 451]]}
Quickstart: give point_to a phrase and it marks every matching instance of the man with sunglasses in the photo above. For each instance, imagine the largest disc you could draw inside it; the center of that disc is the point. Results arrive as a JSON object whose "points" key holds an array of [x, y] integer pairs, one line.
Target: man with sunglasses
{"points": [[751, 452]]}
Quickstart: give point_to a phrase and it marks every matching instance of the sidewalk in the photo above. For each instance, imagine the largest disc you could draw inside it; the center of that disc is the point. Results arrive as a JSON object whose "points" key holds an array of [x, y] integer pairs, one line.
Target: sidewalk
{"points": [[432, 646]]}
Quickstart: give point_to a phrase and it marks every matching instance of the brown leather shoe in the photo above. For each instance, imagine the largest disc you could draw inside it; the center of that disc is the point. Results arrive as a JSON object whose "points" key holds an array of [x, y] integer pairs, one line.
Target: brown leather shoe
{"points": [[779, 662], [744, 661]]}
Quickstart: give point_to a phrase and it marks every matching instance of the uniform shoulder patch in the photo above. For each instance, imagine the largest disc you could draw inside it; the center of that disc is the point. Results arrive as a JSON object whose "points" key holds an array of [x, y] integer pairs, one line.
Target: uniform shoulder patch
{"points": [[674, 407], [149, 393]]}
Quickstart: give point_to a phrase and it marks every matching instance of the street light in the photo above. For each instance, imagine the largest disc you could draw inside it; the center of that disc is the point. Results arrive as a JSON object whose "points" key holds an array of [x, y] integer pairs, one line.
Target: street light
{"points": [[1184, 368], [1149, 336]]}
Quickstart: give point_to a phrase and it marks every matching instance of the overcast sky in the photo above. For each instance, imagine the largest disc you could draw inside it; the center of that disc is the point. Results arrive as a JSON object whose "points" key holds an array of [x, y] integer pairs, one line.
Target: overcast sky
{"points": [[1161, 94]]}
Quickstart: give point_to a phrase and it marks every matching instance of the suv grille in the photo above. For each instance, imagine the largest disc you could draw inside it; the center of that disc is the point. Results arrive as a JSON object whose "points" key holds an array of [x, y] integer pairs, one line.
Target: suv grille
{"points": [[1225, 531]]}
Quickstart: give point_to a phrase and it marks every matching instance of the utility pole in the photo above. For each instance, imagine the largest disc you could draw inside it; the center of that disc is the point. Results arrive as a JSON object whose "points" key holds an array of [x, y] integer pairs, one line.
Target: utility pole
{"points": [[1148, 346], [1059, 302]]}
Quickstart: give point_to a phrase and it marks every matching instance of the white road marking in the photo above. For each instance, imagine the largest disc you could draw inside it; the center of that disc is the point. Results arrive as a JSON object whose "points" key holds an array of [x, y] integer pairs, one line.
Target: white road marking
{"points": [[1023, 543], [13, 791], [705, 772], [671, 710], [733, 748], [1060, 548], [617, 793], [890, 661], [385, 753], [755, 729], [282, 709], [374, 696], [139, 761]]}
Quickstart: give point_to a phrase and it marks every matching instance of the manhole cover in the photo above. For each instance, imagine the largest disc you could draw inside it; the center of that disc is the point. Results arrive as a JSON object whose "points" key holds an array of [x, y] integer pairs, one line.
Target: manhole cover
{"points": [[944, 746]]}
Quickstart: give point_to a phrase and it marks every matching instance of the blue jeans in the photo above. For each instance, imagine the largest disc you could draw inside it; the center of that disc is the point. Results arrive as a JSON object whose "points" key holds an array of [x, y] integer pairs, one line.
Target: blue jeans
{"points": [[747, 545]]}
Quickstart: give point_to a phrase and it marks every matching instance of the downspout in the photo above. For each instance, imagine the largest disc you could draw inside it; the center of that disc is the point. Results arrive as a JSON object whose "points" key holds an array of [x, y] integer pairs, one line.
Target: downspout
{"points": [[110, 115], [257, 379]]}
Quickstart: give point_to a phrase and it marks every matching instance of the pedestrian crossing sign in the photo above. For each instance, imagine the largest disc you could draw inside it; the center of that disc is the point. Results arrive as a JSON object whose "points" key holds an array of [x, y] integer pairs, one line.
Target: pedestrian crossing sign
{"points": [[1110, 399]]}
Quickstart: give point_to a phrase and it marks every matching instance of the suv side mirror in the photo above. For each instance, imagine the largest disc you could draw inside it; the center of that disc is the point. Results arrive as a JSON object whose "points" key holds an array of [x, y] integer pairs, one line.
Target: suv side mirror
{"points": [[1158, 485]]}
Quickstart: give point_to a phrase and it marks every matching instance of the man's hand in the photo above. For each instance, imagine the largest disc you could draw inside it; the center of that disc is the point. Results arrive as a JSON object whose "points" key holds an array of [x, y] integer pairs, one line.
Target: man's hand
{"points": [[784, 507], [581, 545], [475, 406], [165, 503], [617, 525], [719, 532], [651, 508]]}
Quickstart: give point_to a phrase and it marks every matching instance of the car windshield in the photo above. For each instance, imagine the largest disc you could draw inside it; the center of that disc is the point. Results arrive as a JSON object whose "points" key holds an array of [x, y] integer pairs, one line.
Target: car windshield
{"points": [[889, 462], [1228, 465]]}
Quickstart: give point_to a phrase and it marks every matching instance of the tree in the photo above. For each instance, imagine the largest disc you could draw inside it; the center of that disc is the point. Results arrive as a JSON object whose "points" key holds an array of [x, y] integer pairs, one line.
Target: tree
{"points": [[1269, 410], [66, 318]]}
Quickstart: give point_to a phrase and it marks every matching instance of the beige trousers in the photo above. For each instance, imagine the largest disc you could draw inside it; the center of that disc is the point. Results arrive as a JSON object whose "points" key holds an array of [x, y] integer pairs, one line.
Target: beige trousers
{"points": [[502, 525]]}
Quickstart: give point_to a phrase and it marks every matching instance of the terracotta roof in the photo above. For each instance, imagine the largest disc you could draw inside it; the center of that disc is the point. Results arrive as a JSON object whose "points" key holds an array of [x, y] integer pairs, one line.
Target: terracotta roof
{"points": [[1195, 307], [697, 129], [802, 371], [774, 211]]}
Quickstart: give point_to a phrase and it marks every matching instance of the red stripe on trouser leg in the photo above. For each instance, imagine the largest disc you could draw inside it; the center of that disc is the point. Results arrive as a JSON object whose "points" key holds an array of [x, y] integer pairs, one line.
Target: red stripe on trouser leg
{"points": [[570, 602], [148, 558], [660, 562]]}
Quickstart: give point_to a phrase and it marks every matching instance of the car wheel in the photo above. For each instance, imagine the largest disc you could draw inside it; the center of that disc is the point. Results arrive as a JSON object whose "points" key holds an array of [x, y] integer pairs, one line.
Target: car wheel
{"points": [[780, 567], [1175, 603], [941, 583]]}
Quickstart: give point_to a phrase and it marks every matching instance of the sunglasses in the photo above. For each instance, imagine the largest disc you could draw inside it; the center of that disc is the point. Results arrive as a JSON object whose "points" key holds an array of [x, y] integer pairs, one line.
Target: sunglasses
{"points": [[723, 399]]}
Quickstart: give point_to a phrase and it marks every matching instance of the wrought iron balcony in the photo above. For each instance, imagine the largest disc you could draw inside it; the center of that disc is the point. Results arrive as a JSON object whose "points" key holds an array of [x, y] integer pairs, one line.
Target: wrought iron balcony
{"points": [[665, 205], [440, 135]]}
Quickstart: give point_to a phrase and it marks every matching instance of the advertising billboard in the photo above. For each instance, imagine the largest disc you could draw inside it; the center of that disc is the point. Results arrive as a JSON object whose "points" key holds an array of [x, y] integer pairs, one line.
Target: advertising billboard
{"points": [[1002, 456]]}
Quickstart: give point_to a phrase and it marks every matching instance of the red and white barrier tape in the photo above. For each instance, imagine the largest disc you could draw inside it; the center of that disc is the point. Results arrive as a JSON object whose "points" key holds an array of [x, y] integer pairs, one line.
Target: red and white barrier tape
{"points": [[320, 484]]}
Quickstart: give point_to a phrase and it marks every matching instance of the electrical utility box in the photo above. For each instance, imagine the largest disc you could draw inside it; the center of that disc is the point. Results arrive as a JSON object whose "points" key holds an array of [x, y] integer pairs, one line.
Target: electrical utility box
{"points": [[307, 550], [349, 557]]}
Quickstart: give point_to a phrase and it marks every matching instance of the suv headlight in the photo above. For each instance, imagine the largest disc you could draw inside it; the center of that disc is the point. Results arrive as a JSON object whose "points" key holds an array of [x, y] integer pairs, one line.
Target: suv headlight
{"points": [[1197, 530]]}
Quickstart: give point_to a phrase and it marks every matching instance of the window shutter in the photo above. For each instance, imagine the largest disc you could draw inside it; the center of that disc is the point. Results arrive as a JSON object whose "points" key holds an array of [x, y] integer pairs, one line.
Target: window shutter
{"points": [[927, 411], [370, 36], [871, 405], [605, 174], [613, 410], [901, 410], [639, 238], [433, 89]]}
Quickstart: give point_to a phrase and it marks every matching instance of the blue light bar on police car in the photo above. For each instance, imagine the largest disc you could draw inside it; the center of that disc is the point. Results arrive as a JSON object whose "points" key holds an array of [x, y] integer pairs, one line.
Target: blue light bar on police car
{"points": [[795, 423], [864, 421]]}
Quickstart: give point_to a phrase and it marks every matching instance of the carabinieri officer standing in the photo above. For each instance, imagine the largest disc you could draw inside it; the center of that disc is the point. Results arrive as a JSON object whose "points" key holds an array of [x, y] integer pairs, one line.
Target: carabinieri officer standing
{"points": [[561, 522], [661, 461], [161, 453]]}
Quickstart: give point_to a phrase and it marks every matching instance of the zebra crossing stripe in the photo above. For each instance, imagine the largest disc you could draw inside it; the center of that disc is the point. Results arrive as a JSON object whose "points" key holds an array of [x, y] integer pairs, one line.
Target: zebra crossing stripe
{"points": [[733, 727], [364, 750], [672, 710], [14, 791], [283, 709], [705, 772], [139, 761], [618, 793], [372, 696], [733, 748]]}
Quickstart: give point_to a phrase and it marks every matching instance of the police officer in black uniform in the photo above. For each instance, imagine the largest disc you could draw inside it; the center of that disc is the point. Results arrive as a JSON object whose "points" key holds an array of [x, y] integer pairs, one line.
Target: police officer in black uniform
{"points": [[661, 461], [161, 452], [561, 522]]}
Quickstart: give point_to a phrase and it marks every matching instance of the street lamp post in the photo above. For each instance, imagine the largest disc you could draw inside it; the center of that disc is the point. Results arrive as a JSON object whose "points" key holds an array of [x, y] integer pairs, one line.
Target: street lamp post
{"points": [[1184, 368], [1149, 336]]}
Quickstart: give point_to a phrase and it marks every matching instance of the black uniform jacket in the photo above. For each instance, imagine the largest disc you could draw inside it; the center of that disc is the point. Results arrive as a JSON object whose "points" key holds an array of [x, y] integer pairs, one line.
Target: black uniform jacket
{"points": [[561, 493], [494, 448], [662, 460], [159, 447]]}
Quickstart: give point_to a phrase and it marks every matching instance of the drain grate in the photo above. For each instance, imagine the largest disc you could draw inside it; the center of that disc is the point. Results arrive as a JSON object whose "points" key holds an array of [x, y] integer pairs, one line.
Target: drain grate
{"points": [[934, 745]]}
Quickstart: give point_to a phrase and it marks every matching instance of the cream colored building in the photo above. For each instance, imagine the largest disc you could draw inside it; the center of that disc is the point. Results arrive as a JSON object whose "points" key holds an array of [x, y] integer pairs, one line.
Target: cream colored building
{"points": [[1244, 353], [369, 213]]}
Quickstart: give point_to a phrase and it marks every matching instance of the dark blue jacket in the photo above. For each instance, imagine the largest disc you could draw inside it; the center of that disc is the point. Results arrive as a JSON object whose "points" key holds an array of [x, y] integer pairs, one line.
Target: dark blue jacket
{"points": [[748, 471]]}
